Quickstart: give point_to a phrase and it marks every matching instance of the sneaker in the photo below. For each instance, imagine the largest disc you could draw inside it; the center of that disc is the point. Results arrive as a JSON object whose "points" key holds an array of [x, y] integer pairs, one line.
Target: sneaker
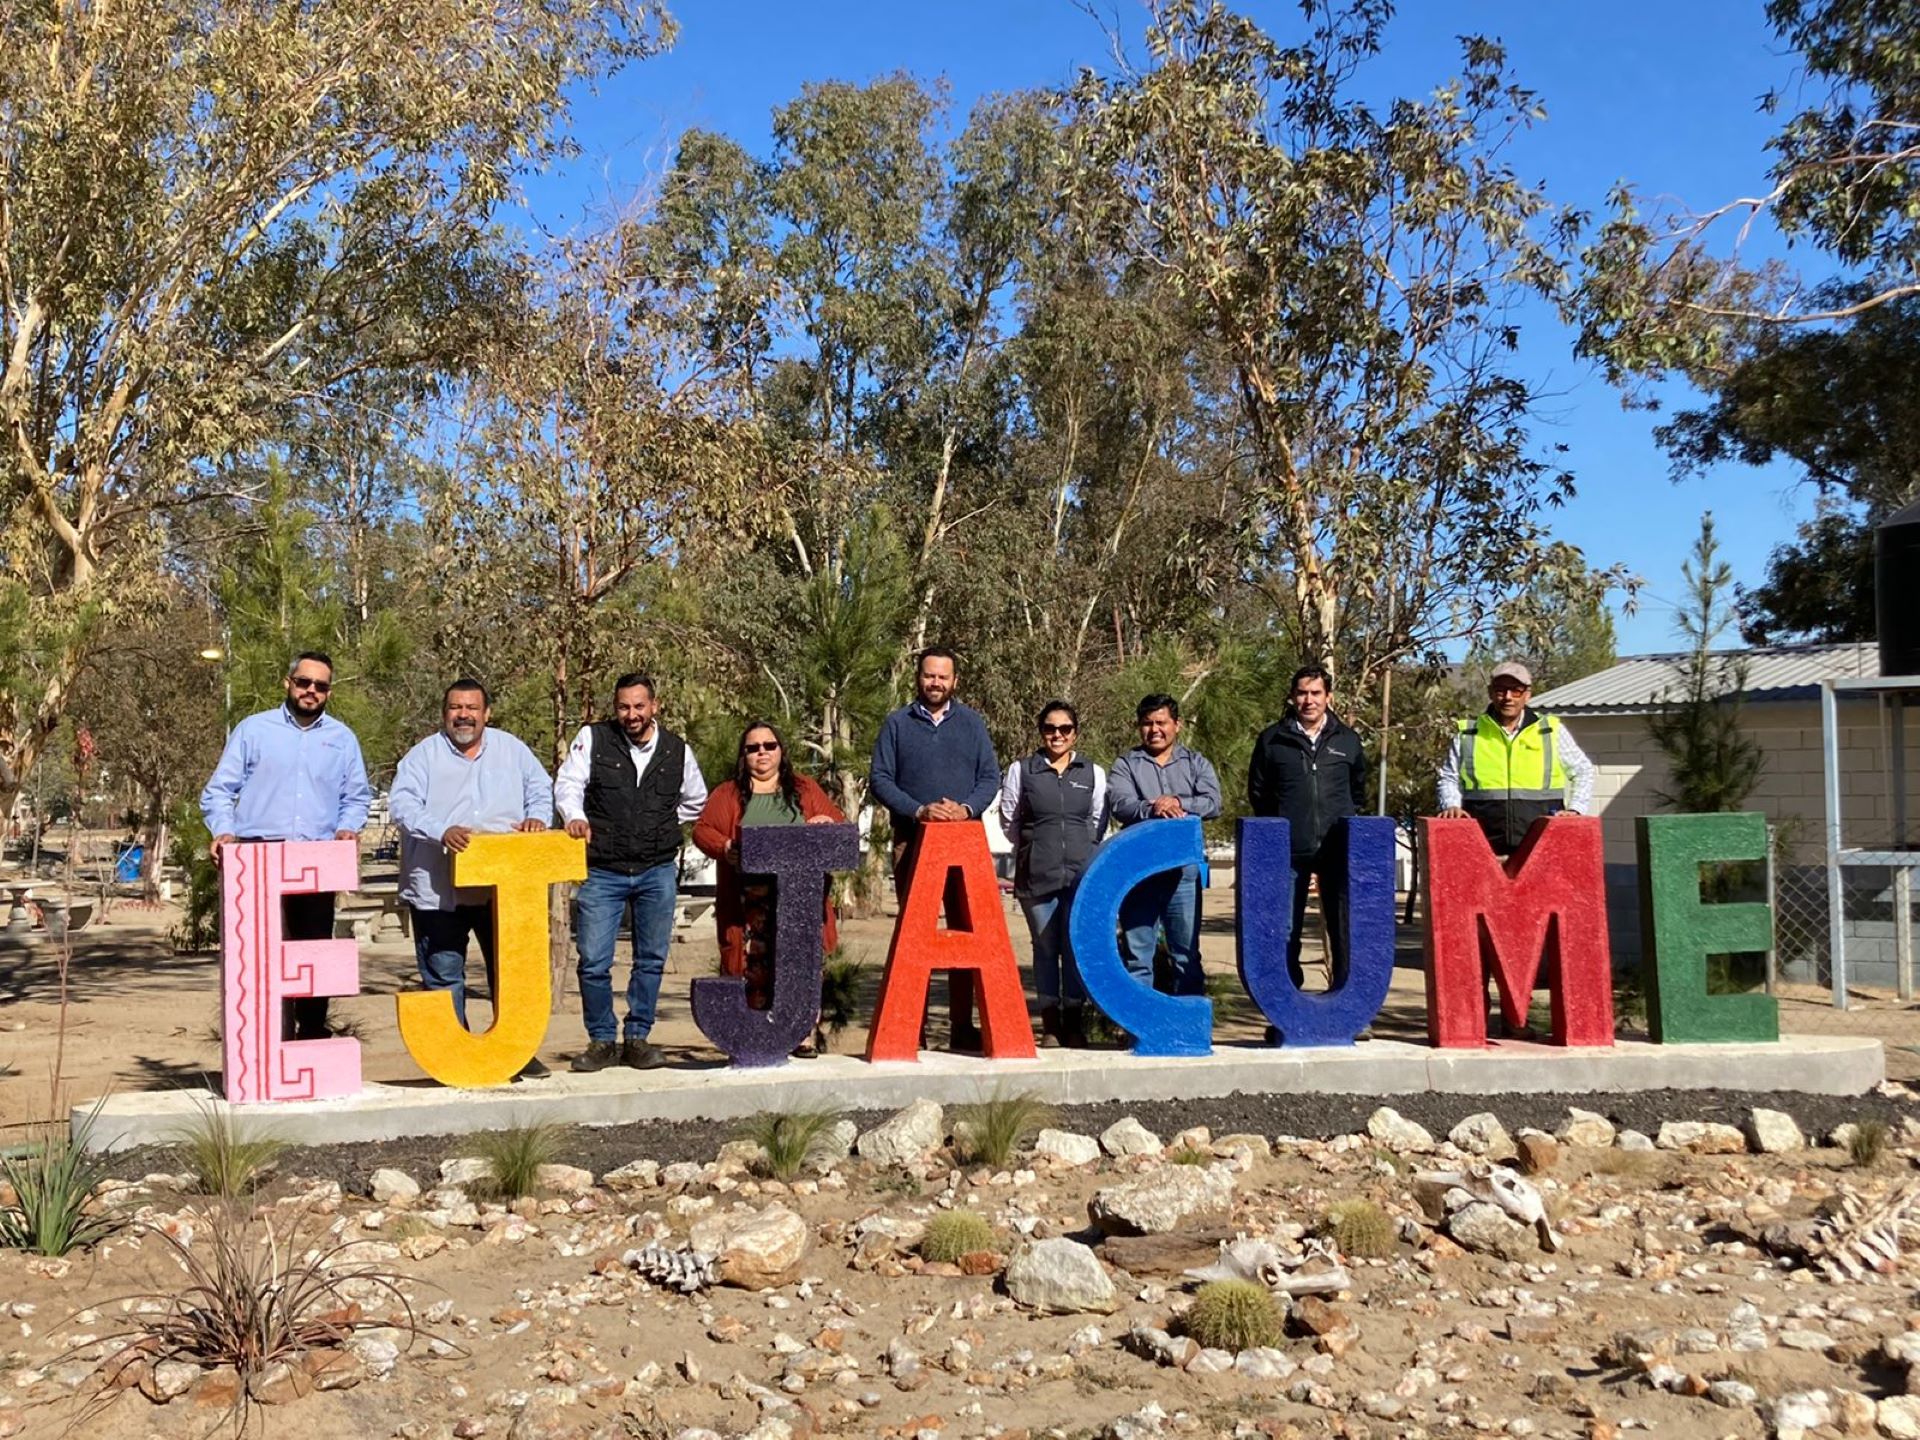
{"points": [[639, 1055], [532, 1070], [598, 1055]]}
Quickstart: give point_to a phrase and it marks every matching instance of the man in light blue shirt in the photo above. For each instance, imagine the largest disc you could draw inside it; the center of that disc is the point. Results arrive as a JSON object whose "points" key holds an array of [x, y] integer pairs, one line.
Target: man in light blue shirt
{"points": [[292, 773], [463, 780], [1160, 779]]}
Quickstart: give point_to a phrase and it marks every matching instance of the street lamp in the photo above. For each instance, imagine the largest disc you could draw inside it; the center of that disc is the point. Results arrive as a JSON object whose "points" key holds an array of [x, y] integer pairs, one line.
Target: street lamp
{"points": [[217, 655]]}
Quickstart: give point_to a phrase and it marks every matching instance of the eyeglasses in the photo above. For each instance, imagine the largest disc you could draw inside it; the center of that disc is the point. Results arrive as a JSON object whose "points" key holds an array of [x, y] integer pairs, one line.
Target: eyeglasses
{"points": [[762, 747], [307, 682], [1057, 729]]}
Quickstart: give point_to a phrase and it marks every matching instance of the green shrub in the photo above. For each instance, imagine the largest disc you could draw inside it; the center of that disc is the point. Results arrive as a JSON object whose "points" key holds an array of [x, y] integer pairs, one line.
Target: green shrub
{"points": [[514, 1156], [1233, 1315], [954, 1233], [224, 1157], [1360, 1228], [788, 1141], [1869, 1143], [1189, 1156], [993, 1131], [841, 981], [53, 1183]]}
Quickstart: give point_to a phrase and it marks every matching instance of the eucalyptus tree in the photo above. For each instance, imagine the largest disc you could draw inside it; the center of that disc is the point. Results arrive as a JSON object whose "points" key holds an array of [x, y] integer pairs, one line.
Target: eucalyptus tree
{"points": [[210, 214]]}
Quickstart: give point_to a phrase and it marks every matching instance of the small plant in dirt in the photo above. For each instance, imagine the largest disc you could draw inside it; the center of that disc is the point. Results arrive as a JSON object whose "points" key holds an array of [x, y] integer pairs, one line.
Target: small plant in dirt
{"points": [[1233, 1315], [841, 981], [790, 1140], [954, 1233], [514, 1156], [1360, 1228], [52, 1182], [993, 1131], [897, 1182], [1189, 1156], [224, 1156], [257, 1292], [1869, 1143]]}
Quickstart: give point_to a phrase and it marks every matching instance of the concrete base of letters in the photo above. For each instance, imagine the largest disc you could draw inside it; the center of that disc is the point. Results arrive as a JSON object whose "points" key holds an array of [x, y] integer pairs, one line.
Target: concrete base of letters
{"points": [[1815, 1064]]}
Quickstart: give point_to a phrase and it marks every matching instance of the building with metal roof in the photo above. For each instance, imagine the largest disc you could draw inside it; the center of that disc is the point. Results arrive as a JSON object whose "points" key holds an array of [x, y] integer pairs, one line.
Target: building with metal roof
{"points": [[1643, 684]]}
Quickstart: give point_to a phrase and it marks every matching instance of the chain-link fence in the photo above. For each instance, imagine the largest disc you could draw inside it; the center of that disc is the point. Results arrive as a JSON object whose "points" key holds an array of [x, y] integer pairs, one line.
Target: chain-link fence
{"points": [[1872, 898]]}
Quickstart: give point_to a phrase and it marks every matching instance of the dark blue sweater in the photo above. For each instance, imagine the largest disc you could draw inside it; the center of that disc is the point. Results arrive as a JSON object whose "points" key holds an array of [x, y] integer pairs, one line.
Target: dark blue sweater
{"points": [[917, 763]]}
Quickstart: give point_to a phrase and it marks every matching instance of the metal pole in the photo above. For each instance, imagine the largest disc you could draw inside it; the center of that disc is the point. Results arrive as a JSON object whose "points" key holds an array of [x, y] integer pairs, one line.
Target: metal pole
{"points": [[1386, 710], [1773, 902], [1902, 875], [1836, 891]]}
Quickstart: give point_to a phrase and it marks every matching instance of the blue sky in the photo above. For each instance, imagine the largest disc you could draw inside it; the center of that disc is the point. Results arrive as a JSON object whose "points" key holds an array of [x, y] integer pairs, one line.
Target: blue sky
{"points": [[1664, 94]]}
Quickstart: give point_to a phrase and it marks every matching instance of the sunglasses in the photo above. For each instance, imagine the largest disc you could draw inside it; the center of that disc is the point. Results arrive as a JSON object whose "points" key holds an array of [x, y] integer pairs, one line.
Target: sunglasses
{"points": [[303, 682], [761, 747], [1057, 729]]}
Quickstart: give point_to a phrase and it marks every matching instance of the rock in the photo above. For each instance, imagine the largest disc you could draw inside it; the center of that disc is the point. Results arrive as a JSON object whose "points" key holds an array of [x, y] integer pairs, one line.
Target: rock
{"points": [[1899, 1416], [1701, 1137], [1633, 1140], [1060, 1276], [465, 1171], [12, 1422], [1585, 1129], [379, 1355], [634, 1175], [1127, 1136], [1483, 1134], [835, 1145], [755, 1252], [1804, 1410], [1066, 1147], [1773, 1132], [168, 1379], [1491, 1231], [1734, 1394], [1539, 1152], [1841, 1136], [1333, 1330], [334, 1369], [279, 1383], [1388, 1127], [1163, 1199], [906, 1137], [564, 1179], [1263, 1362], [393, 1187]]}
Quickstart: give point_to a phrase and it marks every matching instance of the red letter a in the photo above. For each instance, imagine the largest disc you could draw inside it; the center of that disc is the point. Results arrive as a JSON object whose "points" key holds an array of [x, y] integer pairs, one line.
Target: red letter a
{"points": [[1549, 901], [978, 941]]}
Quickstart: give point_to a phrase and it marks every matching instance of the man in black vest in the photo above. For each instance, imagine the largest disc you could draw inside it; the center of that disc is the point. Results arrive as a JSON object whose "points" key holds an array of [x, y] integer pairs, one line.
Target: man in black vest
{"points": [[626, 787]]}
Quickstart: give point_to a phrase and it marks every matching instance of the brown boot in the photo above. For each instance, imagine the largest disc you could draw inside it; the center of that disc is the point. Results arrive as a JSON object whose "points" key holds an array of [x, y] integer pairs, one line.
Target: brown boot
{"points": [[1051, 1035]]}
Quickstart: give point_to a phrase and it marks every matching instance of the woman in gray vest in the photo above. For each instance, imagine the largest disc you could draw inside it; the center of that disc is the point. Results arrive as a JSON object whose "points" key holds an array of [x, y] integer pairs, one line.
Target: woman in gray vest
{"points": [[1053, 807]]}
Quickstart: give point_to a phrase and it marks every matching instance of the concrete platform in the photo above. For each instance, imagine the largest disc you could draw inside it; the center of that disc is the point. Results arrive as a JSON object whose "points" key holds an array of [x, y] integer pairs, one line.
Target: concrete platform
{"points": [[1815, 1064]]}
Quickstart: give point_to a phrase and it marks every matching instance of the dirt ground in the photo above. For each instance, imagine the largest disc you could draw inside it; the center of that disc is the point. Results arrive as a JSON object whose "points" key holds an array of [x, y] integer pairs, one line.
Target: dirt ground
{"points": [[1663, 1311]]}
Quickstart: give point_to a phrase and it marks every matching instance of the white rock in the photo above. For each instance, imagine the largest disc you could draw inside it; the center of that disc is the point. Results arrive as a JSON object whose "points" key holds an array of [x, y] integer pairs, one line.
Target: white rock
{"points": [[755, 1252], [173, 1377], [1388, 1127], [1633, 1140], [906, 1137], [1483, 1134], [1701, 1137], [1585, 1129], [1129, 1137], [1734, 1394], [467, 1170], [1802, 1411], [1060, 1276], [1773, 1132], [1841, 1136], [1160, 1200], [634, 1175], [1903, 1348], [564, 1179], [1066, 1147], [1263, 1362], [1490, 1230], [1898, 1416], [389, 1187], [834, 1146]]}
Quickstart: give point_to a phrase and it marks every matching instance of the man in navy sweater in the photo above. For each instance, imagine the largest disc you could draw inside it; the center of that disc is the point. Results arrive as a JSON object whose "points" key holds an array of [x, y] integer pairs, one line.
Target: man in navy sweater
{"points": [[933, 763]]}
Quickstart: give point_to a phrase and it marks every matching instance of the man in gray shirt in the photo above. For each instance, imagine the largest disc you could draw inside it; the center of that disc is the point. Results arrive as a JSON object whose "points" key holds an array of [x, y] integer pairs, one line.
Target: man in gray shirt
{"points": [[1160, 779]]}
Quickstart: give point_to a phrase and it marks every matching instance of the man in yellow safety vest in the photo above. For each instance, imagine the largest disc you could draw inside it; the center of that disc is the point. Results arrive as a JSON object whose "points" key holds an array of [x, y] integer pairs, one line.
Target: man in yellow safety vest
{"points": [[1510, 765]]}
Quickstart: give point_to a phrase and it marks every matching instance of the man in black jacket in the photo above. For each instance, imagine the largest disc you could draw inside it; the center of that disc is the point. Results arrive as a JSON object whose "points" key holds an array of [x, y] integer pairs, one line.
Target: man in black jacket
{"points": [[1311, 770]]}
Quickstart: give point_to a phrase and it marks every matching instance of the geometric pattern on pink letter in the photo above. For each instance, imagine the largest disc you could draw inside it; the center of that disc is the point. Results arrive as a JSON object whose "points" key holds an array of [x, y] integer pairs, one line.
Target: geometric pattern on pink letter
{"points": [[259, 968]]}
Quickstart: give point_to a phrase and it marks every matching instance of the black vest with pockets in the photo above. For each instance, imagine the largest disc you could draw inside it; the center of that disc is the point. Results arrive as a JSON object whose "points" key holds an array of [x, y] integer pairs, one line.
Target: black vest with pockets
{"points": [[635, 827]]}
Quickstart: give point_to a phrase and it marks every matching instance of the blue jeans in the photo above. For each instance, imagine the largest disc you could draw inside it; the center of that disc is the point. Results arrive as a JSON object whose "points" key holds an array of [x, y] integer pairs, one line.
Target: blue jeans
{"points": [[1168, 902], [600, 903], [1055, 976], [440, 948]]}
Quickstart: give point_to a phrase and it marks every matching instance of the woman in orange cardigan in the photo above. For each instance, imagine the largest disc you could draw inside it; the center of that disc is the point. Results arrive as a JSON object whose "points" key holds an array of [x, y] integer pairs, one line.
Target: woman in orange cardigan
{"points": [[765, 791]]}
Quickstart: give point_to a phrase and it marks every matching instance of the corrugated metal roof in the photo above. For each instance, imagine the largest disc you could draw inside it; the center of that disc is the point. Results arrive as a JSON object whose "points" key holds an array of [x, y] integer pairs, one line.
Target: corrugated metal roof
{"points": [[1639, 683]]}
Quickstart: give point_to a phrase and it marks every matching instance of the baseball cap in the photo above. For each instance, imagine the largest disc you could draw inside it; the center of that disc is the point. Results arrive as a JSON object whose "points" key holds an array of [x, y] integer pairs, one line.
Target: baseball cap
{"points": [[1512, 670]]}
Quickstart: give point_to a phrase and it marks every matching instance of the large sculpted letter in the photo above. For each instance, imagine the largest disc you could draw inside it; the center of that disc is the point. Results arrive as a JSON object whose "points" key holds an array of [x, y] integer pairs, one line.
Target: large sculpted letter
{"points": [[1548, 901], [800, 858], [1264, 859], [1678, 931], [1160, 1024], [259, 969], [519, 867], [978, 941]]}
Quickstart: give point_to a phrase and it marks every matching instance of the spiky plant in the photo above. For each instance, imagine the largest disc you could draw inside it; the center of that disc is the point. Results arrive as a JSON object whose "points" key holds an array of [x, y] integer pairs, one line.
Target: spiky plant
{"points": [[53, 1182], [1869, 1143], [954, 1233], [790, 1140], [224, 1156], [841, 980], [992, 1131], [1360, 1228], [514, 1156], [1233, 1315]]}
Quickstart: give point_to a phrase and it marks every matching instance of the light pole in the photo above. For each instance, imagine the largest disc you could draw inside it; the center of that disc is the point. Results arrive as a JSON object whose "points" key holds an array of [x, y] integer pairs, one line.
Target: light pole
{"points": [[219, 655]]}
